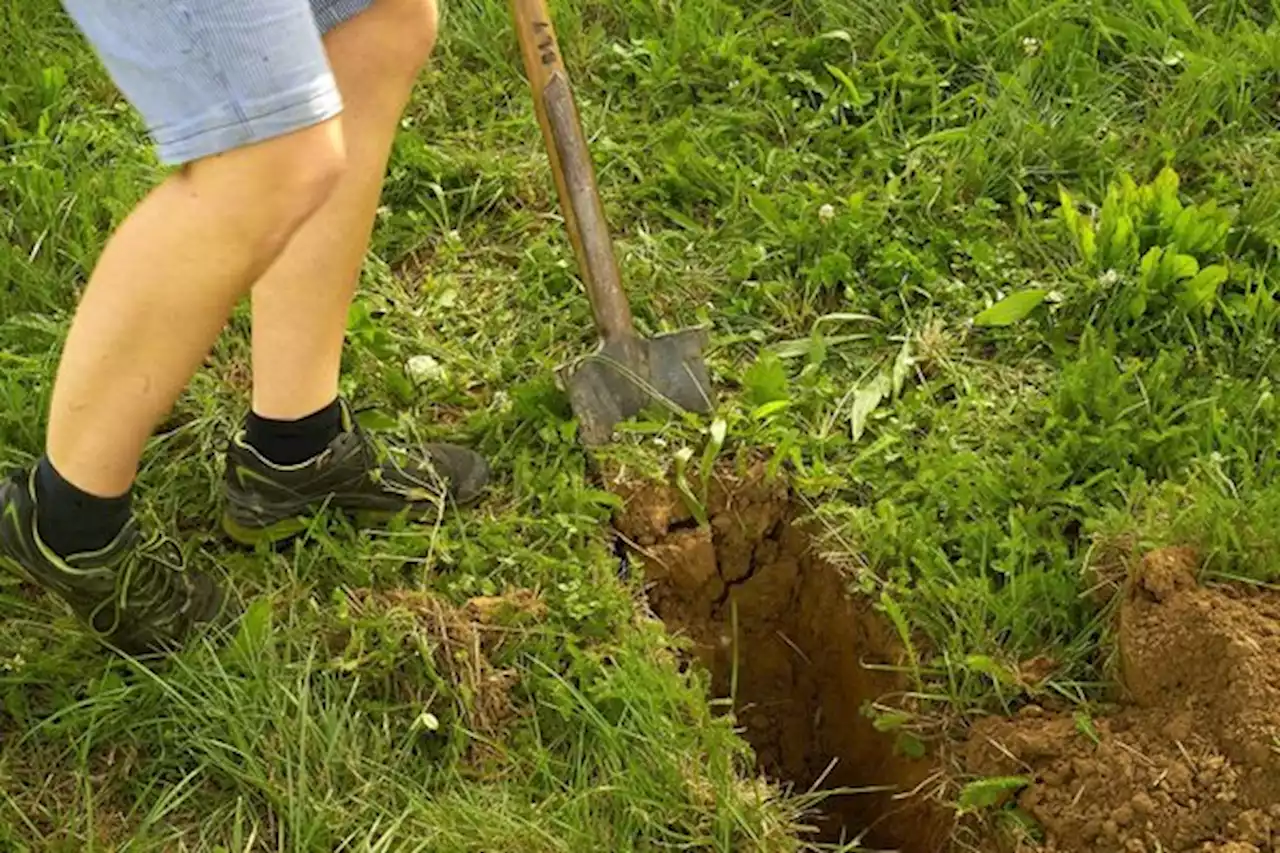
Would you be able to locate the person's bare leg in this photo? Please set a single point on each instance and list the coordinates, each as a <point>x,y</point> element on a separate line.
<point>300,305</point>
<point>299,452</point>
<point>163,290</point>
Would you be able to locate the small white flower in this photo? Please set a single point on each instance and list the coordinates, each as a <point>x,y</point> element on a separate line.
<point>1109,278</point>
<point>826,213</point>
<point>1030,46</point>
<point>424,368</point>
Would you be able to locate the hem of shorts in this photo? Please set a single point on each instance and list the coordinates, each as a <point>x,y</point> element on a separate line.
<point>232,126</point>
<point>337,12</point>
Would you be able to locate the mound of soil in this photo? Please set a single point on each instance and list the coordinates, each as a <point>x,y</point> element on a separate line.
<point>771,621</point>
<point>1192,762</point>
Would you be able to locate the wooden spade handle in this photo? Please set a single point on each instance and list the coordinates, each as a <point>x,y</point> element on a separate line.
<point>571,165</point>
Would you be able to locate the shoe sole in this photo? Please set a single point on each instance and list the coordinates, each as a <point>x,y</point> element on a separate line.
<point>288,528</point>
<point>272,533</point>
<point>226,614</point>
<point>20,572</point>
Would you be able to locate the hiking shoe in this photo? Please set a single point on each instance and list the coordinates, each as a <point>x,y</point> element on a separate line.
<point>356,474</point>
<point>136,593</point>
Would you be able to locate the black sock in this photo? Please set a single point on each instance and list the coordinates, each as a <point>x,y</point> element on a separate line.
<point>71,521</point>
<point>294,442</point>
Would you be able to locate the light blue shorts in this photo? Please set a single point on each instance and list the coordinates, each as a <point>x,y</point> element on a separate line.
<point>209,76</point>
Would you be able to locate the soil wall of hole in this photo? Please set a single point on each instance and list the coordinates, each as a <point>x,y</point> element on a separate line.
<point>762,608</point>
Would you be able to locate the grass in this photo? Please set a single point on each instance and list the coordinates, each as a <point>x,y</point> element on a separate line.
<point>982,396</point>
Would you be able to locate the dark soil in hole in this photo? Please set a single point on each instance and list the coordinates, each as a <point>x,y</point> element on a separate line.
<point>799,652</point>
<point>1191,762</point>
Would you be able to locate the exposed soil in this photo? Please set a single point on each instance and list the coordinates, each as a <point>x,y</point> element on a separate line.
<point>1189,760</point>
<point>766,612</point>
<point>1192,760</point>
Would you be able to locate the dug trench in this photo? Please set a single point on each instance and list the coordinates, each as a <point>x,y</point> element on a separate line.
<point>770,620</point>
<point>1184,759</point>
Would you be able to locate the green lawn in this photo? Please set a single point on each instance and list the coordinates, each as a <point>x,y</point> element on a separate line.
<point>993,284</point>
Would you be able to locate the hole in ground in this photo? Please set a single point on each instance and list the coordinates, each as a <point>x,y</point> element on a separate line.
<point>773,623</point>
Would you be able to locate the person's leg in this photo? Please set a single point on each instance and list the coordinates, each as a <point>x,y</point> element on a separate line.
<point>278,470</point>
<point>300,306</point>
<point>240,93</point>
<point>163,290</point>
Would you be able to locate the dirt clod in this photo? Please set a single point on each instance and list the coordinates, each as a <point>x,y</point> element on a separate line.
<point>1163,574</point>
<point>1192,762</point>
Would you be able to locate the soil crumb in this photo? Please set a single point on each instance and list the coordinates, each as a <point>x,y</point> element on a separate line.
<point>1192,760</point>
<point>772,622</point>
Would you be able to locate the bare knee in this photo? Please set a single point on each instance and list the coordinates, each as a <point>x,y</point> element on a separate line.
<point>276,185</point>
<point>307,167</point>
<point>409,32</point>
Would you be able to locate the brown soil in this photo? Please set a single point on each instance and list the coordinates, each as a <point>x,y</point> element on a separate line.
<point>1192,761</point>
<point>763,609</point>
<point>1189,761</point>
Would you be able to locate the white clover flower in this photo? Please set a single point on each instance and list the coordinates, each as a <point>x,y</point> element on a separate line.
<point>424,368</point>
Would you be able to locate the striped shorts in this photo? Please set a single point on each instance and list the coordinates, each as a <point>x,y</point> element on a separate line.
<point>209,76</point>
